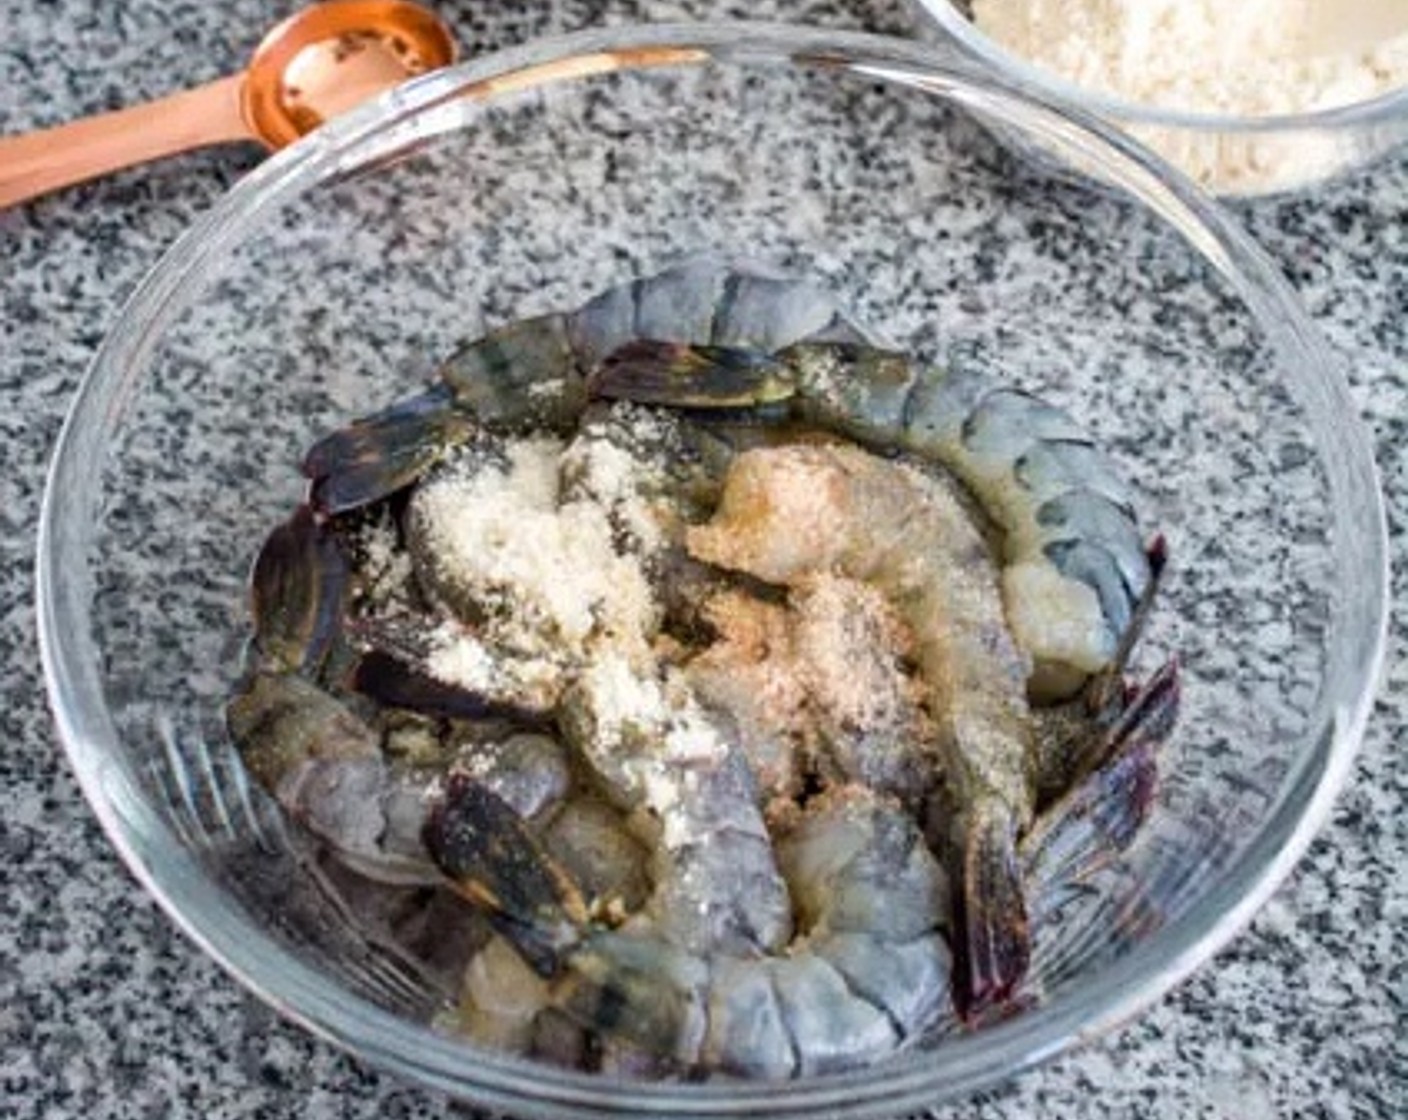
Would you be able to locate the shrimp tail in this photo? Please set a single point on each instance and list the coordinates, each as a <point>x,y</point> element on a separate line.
<point>1148,713</point>
<point>524,374</point>
<point>382,453</point>
<point>993,942</point>
<point>1099,817</point>
<point>648,371</point>
<point>297,589</point>
<point>640,987</point>
<point>494,861</point>
<point>1074,839</point>
<point>1104,693</point>
<point>393,683</point>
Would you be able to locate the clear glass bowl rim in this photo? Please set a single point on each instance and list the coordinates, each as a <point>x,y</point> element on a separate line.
<point>1387,107</point>
<point>87,730</point>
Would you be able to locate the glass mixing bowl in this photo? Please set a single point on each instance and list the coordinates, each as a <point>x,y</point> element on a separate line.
<point>330,281</point>
<point>1232,156</point>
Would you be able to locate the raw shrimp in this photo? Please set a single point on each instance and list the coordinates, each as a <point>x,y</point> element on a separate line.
<point>365,786</point>
<point>318,757</point>
<point>577,615</point>
<point>1075,570</point>
<point>611,828</point>
<point>790,513</point>
<point>823,689</point>
<point>651,744</point>
<point>328,770</point>
<point>868,969</point>
<point>605,511</point>
<point>531,374</point>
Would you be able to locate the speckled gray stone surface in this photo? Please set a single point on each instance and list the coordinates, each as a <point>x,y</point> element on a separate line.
<point>106,1011</point>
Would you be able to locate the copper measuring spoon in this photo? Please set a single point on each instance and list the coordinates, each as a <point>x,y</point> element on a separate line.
<point>317,63</point>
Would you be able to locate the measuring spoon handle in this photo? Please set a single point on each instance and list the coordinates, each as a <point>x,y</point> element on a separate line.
<point>38,162</point>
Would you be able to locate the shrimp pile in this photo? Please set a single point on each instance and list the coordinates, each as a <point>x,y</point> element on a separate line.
<point>738,690</point>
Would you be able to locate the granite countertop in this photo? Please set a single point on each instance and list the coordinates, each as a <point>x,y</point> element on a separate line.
<point>107,1011</point>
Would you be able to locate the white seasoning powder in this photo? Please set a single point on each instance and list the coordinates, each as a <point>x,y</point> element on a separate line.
<point>621,699</point>
<point>386,568</point>
<point>612,475</point>
<point>1245,58</point>
<point>502,534</point>
<point>458,658</point>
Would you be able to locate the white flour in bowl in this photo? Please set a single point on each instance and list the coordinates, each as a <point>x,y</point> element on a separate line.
<point>1239,57</point>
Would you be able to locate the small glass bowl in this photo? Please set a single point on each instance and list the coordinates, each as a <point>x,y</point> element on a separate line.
<point>331,280</point>
<point>1231,156</point>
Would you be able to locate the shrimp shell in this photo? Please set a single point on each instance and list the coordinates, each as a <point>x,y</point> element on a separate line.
<point>1075,568</point>
<point>531,375</point>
